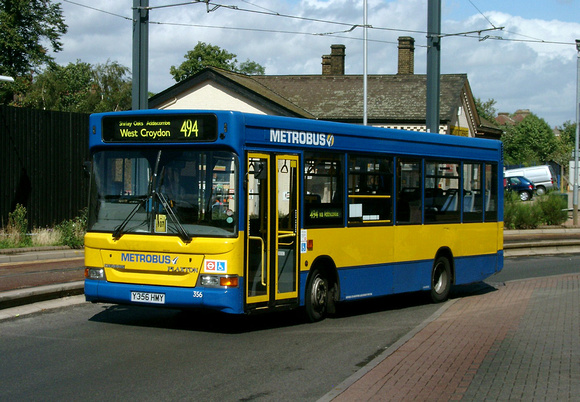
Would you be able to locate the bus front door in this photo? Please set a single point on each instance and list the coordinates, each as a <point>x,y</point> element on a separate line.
<point>272,238</point>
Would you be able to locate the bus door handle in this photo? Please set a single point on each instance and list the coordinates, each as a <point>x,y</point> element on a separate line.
<point>261,254</point>
<point>283,234</point>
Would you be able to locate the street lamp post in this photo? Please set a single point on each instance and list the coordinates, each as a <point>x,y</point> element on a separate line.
<point>575,195</point>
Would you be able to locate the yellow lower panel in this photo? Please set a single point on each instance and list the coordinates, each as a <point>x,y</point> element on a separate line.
<point>384,244</point>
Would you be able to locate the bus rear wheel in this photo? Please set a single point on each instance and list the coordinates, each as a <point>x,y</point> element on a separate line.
<point>316,298</point>
<point>440,280</point>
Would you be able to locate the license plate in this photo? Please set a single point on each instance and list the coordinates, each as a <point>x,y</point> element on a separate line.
<point>146,297</point>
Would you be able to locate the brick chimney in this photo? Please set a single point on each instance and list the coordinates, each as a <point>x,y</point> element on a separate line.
<point>406,55</point>
<point>326,65</point>
<point>333,64</point>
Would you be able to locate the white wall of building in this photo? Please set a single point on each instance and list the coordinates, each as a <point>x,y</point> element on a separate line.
<point>210,95</point>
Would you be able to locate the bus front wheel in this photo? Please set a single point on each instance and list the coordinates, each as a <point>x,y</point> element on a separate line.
<point>316,298</point>
<point>440,280</point>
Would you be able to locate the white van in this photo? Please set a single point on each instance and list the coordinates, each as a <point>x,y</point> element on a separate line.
<point>542,176</point>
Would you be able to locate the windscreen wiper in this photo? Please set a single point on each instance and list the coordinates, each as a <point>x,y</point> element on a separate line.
<point>118,232</point>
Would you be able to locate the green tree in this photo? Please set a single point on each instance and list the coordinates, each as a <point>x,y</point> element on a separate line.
<point>27,28</point>
<point>565,143</point>
<point>206,55</point>
<point>251,68</point>
<point>531,141</point>
<point>59,88</point>
<point>111,88</point>
<point>486,109</point>
<point>568,134</point>
<point>80,87</point>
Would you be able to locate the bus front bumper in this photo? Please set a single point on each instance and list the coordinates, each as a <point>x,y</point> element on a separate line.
<point>228,300</point>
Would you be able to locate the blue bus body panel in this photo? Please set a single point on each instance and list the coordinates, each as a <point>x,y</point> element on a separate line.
<point>224,300</point>
<point>382,280</point>
<point>476,268</point>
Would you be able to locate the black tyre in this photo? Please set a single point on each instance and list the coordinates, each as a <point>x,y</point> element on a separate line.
<point>440,280</point>
<point>316,299</point>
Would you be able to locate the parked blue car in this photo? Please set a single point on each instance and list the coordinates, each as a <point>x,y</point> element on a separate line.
<point>521,185</point>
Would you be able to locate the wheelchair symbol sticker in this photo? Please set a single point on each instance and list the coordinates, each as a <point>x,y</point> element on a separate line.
<point>217,266</point>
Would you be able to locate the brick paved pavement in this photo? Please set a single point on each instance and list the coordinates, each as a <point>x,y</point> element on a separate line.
<point>519,342</point>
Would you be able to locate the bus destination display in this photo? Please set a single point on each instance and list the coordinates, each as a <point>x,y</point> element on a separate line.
<point>160,128</point>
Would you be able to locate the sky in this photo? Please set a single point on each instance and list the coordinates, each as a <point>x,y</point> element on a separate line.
<point>520,53</point>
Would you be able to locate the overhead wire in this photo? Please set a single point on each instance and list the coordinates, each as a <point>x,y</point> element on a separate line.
<point>97,9</point>
<point>482,14</point>
<point>352,27</point>
<point>328,34</point>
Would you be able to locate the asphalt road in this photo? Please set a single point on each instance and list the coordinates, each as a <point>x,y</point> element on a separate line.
<point>535,267</point>
<point>96,352</point>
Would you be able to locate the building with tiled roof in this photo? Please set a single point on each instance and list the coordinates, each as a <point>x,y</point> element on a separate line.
<point>394,101</point>
<point>505,119</point>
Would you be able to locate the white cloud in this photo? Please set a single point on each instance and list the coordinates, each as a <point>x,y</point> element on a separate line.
<point>538,76</point>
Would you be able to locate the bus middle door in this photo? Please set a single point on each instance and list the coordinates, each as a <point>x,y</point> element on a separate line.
<point>272,238</point>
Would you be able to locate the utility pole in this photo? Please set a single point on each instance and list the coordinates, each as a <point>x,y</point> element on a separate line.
<point>139,90</point>
<point>433,64</point>
<point>575,195</point>
<point>365,59</point>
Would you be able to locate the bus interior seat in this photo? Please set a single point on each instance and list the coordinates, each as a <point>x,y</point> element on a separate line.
<point>468,203</point>
<point>451,202</point>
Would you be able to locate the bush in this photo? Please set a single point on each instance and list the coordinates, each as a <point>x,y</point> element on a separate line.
<point>15,233</point>
<point>519,215</point>
<point>554,209</point>
<point>72,231</point>
<point>69,233</point>
<point>549,209</point>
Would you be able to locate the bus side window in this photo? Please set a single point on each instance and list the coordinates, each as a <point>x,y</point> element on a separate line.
<point>323,194</point>
<point>409,188</point>
<point>472,192</point>
<point>442,192</point>
<point>370,187</point>
<point>491,195</point>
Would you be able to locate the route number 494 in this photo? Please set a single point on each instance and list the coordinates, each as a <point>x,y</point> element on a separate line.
<point>188,127</point>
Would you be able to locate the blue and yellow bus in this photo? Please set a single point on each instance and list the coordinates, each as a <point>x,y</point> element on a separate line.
<point>245,213</point>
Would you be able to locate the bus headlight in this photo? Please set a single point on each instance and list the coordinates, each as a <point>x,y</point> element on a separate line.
<point>219,281</point>
<point>94,273</point>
